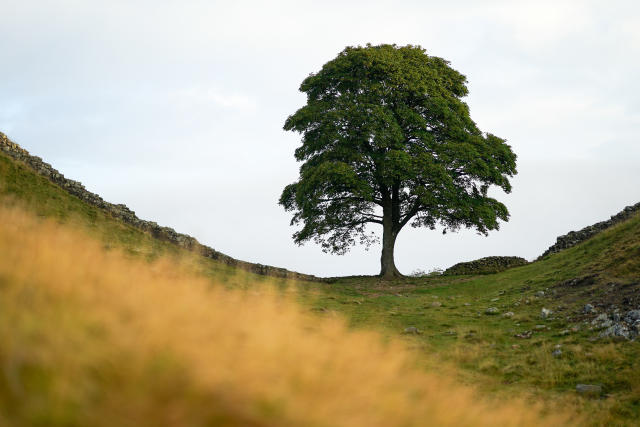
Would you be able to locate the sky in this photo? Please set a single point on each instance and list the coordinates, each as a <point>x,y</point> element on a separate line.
<point>176,108</point>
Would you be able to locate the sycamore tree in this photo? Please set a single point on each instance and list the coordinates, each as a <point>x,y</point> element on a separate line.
<point>387,139</point>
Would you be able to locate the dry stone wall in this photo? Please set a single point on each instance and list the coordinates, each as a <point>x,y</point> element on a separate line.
<point>573,238</point>
<point>487,265</point>
<point>125,214</point>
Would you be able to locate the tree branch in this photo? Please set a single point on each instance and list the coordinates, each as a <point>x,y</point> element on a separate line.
<point>410,214</point>
<point>375,200</point>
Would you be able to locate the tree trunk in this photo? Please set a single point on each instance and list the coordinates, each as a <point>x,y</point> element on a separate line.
<point>388,268</point>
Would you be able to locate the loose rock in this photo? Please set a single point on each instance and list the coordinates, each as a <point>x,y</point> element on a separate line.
<point>589,389</point>
<point>632,316</point>
<point>524,335</point>
<point>616,330</point>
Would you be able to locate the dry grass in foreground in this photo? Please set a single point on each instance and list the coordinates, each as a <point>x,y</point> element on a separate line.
<point>89,337</point>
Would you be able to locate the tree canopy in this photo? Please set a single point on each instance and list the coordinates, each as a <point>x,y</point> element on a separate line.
<point>387,139</point>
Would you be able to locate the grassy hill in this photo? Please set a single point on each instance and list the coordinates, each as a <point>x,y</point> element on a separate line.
<point>485,330</point>
<point>21,185</point>
<point>492,326</point>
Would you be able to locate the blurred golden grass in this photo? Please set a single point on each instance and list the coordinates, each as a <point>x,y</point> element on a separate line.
<point>92,337</point>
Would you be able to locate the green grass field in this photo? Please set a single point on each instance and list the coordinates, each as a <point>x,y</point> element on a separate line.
<point>445,316</point>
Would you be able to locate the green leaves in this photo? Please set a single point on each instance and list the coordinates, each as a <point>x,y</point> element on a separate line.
<point>385,133</point>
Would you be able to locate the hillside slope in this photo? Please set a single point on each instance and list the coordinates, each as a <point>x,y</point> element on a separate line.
<point>30,179</point>
<point>547,329</point>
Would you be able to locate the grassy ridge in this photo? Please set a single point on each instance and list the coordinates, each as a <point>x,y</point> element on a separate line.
<point>22,186</point>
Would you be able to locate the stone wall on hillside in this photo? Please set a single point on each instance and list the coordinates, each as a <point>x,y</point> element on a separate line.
<point>573,238</point>
<point>487,265</point>
<point>125,214</point>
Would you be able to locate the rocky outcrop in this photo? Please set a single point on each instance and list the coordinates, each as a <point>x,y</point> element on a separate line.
<point>126,215</point>
<point>488,265</point>
<point>617,324</point>
<point>573,238</point>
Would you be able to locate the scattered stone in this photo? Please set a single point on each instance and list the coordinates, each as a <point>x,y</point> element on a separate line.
<point>545,313</point>
<point>602,322</point>
<point>540,294</point>
<point>632,316</point>
<point>564,332</point>
<point>516,304</point>
<point>451,332</point>
<point>412,330</point>
<point>495,299</point>
<point>491,311</point>
<point>575,328</point>
<point>615,330</point>
<point>615,325</point>
<point>508,314</point>
<point>540,327</point>
<point>556,353</point>
<point>515,346</point>
<point>589,389</point>
<point>502,292</point>
<point>524,335</point>
<point>588,309</point>
<point>436,304</point>
<point>601,318</point>
<point>466,304</point>
<point>527,301</point>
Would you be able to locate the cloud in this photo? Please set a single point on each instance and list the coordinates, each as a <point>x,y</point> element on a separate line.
<point>205,97</point>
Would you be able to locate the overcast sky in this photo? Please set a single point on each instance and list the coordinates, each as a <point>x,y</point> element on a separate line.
<point>176,109</point>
